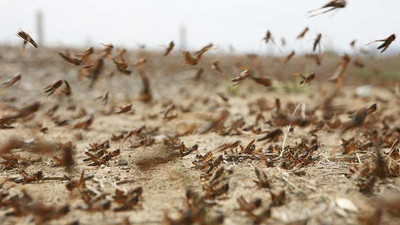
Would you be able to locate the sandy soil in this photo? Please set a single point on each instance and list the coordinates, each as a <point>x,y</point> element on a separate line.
<point>314,192</point>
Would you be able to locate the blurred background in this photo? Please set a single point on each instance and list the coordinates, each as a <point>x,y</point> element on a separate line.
<point>231,25</point>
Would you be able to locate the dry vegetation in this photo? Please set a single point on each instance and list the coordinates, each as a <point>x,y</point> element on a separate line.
<point>111,136</point>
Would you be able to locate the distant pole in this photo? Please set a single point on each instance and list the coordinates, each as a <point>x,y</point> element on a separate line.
<point>182,37</point>
<point>39,27</point>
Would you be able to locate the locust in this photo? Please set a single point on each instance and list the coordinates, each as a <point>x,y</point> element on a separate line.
<point>194,59</point>
<point>121,64</point>
<point>242,76</point>
<point>317,43</point>
<point>358,118</point>
<point>262,178</point>
<point>330,6</point>
<point>103,97</point>
<point>386,42</point>
<point>289,56</point>
<point>169,48</point>
<point>70,58</point>
<point>27,39</point>
<point>303,33</point>
<point>305,79</point>
<point>338,76</point>
<point>215,66</point>
<point>12,81</point>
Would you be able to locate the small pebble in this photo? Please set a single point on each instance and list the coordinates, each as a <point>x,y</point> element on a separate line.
<point>122,162</point>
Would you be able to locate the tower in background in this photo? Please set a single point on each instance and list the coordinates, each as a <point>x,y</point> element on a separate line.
<point>182,37</point>
<point>39,27</point>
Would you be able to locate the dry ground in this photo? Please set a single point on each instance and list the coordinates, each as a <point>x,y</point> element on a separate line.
<point>312,191</point>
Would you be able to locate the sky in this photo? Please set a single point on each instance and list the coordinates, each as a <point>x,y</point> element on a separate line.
<point>241,24</point>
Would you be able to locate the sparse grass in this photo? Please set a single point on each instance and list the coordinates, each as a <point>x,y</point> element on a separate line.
<point>364,73</point>
<point>291,87</point>
<point>390,75</point>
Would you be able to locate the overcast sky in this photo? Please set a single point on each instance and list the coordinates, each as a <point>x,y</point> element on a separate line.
<point>240,23</point>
